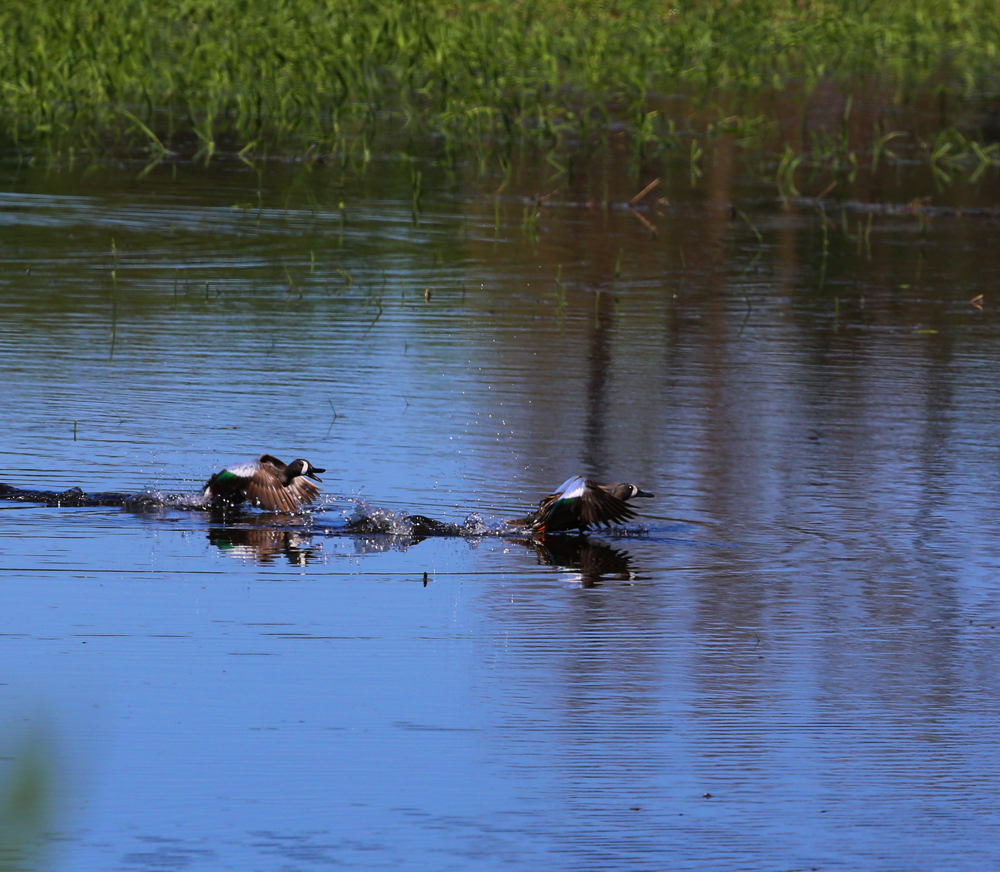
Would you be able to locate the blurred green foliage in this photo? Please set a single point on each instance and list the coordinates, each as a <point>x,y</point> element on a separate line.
<point>25,806</point>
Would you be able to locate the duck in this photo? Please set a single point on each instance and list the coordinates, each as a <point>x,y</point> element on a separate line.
<point>265,482</point>
<point>580,503</point>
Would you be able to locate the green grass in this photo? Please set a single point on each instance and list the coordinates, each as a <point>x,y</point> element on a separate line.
<point>330,75</point>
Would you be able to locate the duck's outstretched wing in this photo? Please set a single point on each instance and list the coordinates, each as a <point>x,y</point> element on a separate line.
<point>267,492</point>
<point>599,508</point>
<point>558,511</point>
<point>303,491</point>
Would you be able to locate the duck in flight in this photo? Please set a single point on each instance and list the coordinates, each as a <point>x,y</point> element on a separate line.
<point>580,503</point>
<point>265,482</point>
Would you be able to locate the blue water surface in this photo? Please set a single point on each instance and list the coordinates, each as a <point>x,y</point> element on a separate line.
<point>788,661</point>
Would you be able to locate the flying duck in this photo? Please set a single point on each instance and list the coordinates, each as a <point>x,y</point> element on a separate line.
<point>265,482</point>
<point>580,503</point>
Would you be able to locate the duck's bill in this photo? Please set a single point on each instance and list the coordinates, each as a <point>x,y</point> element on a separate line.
<point>312,473</point>
<point>642,493</point>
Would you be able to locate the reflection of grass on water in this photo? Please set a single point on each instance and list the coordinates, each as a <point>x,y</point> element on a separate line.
<point>324,76</point>
<point>25,800</point>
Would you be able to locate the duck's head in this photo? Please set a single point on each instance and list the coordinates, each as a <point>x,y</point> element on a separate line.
<point>302,467</point>
<point>629,491</point>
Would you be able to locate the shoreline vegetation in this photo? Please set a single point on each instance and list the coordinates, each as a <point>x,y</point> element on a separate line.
<point>837,84</point>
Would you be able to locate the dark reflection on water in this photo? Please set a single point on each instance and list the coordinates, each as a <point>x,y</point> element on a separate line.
<point>803,626</point>
<point>265,544</point>
<point>590,558</point>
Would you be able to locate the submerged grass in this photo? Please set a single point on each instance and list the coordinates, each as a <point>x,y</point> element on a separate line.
<point>326,76</point>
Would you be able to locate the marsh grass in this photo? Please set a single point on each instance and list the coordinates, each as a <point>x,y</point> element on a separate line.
<point>164,76</point>
<point>329,80</point>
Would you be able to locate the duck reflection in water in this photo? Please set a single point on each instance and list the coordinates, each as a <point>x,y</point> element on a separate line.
<point>266,544</point>
<point>591,559</point>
